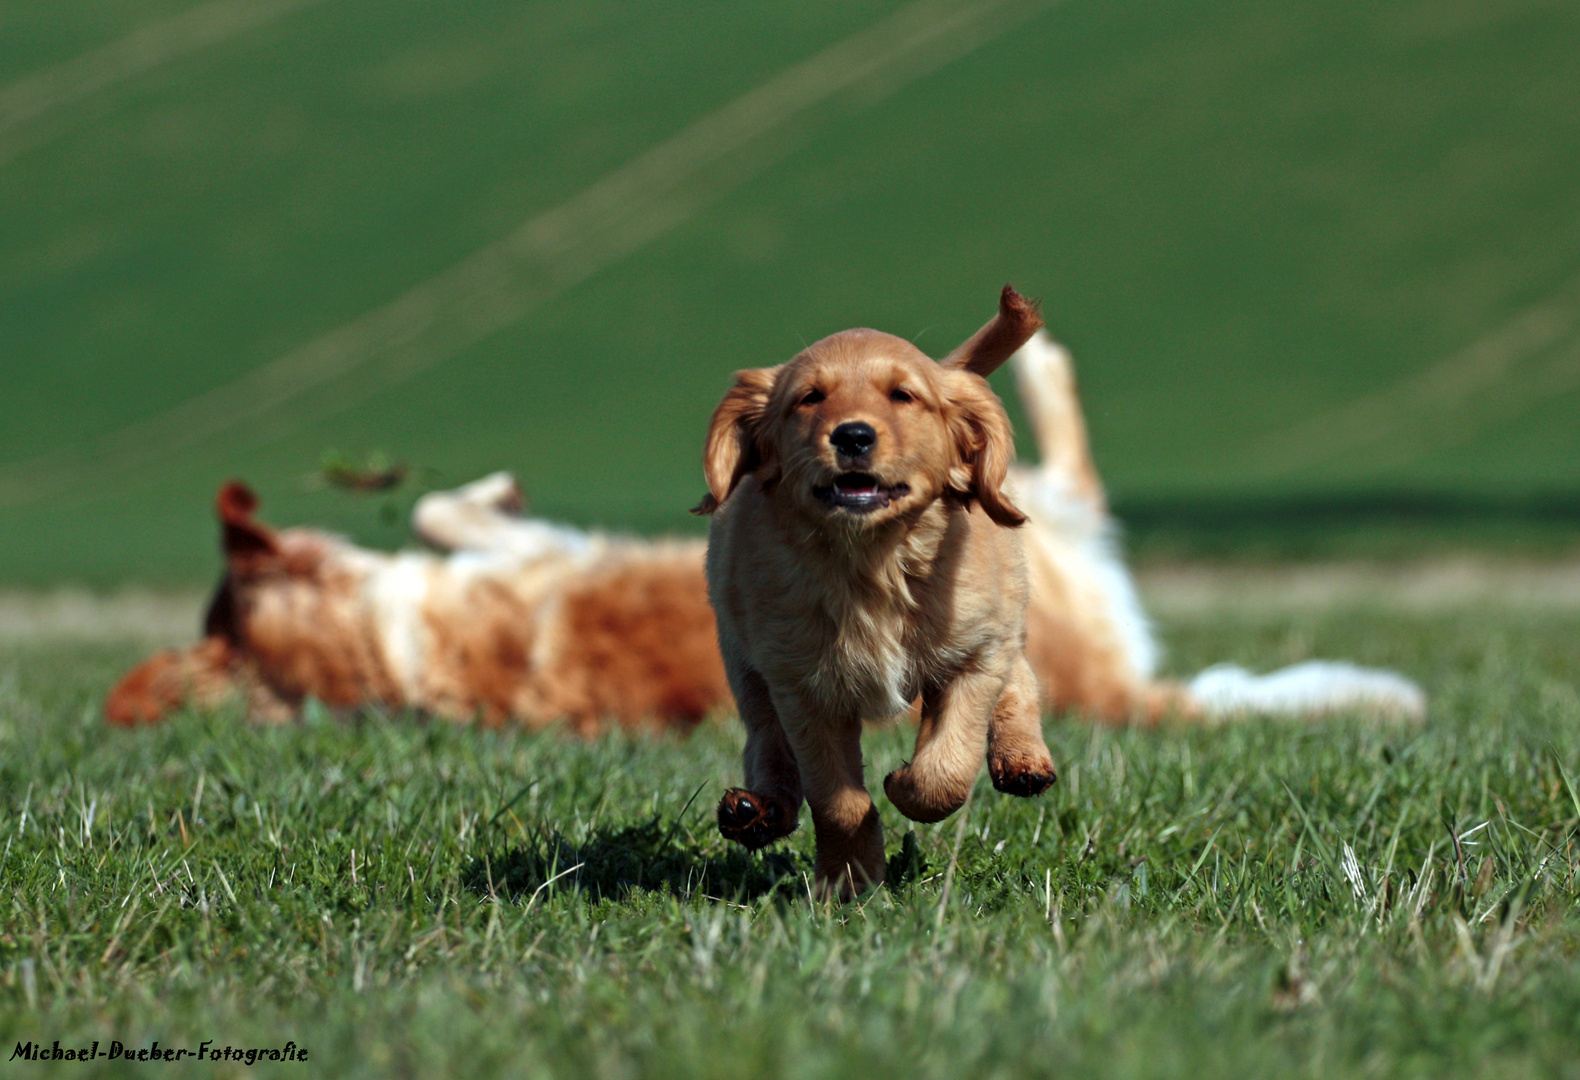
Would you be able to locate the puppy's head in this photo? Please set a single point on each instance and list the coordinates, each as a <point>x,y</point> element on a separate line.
<point>862,427</point>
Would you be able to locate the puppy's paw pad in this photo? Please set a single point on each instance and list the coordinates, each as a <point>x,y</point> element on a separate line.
<point>1024,782</point>
<point>753,820</point>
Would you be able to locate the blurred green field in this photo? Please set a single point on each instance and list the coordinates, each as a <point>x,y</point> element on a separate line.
<point>1309,254</point>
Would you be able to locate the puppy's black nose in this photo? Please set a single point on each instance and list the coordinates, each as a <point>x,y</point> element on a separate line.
<point>853,439</point>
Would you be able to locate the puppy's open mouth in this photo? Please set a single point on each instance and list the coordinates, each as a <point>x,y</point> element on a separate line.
<point>860,493</point>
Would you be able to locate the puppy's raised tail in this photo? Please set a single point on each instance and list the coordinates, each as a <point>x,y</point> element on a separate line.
<point>983,352</point>
<point>1313,688</point>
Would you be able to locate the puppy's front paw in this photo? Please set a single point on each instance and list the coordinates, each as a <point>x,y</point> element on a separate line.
<point>1022,776</point>
<point>753,820</point>
<point>922,797</point>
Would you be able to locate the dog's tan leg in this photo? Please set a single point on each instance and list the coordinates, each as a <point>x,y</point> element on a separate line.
<point>204,676</point>
<point>766,809</point>
<point>1045,384</point>
<point>1018,758</point>
<point>950,740</point>
<point>486,515</point>
<point>469,518</point>
<point>849,856</point>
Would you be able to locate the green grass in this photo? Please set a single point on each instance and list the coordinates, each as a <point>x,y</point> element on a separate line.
<point>1243,217</point>
<point>433,900</point>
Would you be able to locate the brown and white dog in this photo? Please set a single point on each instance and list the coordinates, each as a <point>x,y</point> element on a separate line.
<point>530,622</point>
<point>523,621</point>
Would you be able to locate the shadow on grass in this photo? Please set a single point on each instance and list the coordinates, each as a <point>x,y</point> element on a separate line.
<point>612,862</point>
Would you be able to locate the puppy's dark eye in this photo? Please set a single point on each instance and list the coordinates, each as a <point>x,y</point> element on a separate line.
<point>811,397</point>
<point>900,396</point>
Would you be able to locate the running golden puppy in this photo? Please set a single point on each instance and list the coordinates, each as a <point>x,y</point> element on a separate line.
<point>863,553</point>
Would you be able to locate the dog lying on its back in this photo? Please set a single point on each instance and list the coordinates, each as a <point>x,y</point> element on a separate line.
<point>864,552</point>
<point>524,622</point>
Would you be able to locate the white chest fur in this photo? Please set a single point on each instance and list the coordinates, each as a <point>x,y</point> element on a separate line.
<point>865,668</point>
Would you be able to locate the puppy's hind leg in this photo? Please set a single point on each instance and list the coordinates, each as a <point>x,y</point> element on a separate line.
<point>1018,758</point>
<point>768,807</point>
<point>950,740</point>
<point>827,749</point>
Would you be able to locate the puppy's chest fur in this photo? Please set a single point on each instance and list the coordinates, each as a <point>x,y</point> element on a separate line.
<point>872,660</point>
<point>865,645</point>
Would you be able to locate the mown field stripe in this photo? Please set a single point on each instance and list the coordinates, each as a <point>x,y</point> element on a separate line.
<point>33,97</point>
<point>1449,395</point>
<point>547,255</point>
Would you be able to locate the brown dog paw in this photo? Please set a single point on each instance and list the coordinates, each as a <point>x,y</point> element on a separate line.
<point>1023,781</point>
<point>754,820</point>
<point>923,798</point>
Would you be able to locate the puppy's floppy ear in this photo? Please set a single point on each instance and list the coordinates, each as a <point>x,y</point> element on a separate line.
<point>735,449</point>
<point>982,353</point>
<point>984,446</point>
<point>247,542</point>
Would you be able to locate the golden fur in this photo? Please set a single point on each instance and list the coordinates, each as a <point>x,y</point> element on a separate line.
<point>864,553</point>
